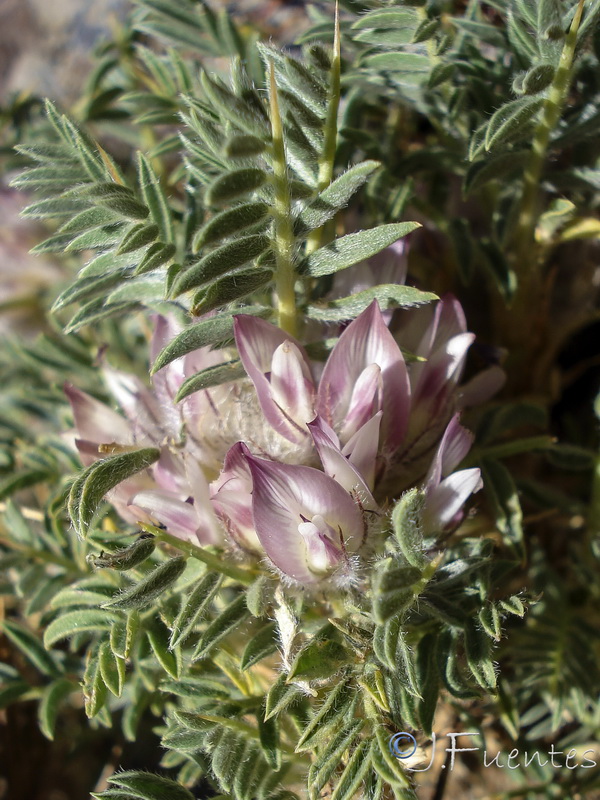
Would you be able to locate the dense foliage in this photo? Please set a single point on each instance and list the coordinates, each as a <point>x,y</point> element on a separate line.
<point>252,238</point>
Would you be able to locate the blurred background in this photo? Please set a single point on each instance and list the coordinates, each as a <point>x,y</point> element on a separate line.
<point>45,46</point>
<point>46,50</point>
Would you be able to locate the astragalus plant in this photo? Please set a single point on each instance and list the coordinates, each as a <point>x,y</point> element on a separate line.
<point>306,471</point>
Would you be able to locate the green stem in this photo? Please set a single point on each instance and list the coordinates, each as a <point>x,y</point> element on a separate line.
<point>593,519</point>
<point>214,562</point>
<point>427,574</point>
<point>508,449</point>
<point>552,111</point>
<point>327,158</point>
<point>285,277</point>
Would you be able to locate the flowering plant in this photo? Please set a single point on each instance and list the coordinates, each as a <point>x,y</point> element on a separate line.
<point>268,497</point>
<point>273,499</point>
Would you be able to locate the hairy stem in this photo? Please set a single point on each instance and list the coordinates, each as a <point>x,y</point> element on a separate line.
<point>524,321</point>
<point>327,159</point>
<point>552,111</point>
<point>285,277</point>
<point>202,554</point>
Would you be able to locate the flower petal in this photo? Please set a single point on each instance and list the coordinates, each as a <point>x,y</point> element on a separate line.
<point>482,387</point>
<point>170,510</point>
<point>291,383</point>
<point>236,465</point>
<point>286,496</point>
<point>446,500</point>
<point>454,446</point>
<point>209,530</point>
<point>449,321</point>
<point>366,341</point>
<point>435,378</point>
<point>338,467</point>
<point>168,380</point>
<point>232,498</point>
<point>88,451</point>
<point>361,450</point>
<point>366,401</point>
<point>138,403</point>
<point>390,265</point>
<point>423,330</point>
<point>95,421</point>
<point>169,472</point>
<point>234,508</point>
<point>257,341</point>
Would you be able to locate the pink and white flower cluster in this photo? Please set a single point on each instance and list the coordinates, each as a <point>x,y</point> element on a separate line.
<point>297,462</point>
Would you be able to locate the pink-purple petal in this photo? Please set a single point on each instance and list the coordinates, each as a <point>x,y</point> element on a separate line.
<point>88,451</point>
<point>291,383</point>
<point>95,421</point>
<point>339,467</point>
<point>236,463</point>
<point>436,377</point>
<point>454,446</point>
<point>168,509</point>
<point>138,403</point>
<point>446,500</point>
<point>232,498</point>
<point>365,402</point>
<point>209,528</point>
<point>234,508</point>
<point>366,341</point>
<point>361,450</point>
<point>450,320</point>
<point>286,496</point>
<point>257,341</point>
<point>168,472</point>
<point>482,387</point>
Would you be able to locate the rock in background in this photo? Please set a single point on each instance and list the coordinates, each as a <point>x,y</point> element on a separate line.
<point>45,45</point>
<point>46,49</point>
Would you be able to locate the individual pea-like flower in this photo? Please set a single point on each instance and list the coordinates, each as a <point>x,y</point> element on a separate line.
<point>364,374</point>
<point>306,521</point>
<point>298,463</point>
<point>279,368</point>
<point>447,491</point>
<point>174,491</point>
<point>100,431</point>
